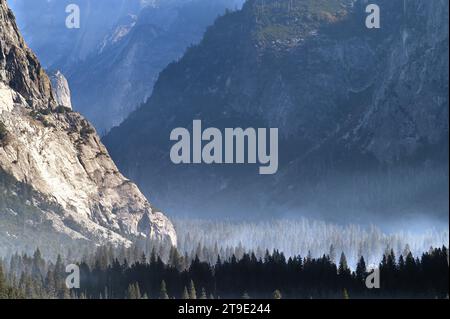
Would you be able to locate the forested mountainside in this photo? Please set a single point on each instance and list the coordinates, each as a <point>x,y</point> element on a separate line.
<point>58,184</point>
<point>362,113</point>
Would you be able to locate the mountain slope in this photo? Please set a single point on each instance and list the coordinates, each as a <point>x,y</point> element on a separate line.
<point>53,164</point>
<point>362,114</point>
<point>120,76</point>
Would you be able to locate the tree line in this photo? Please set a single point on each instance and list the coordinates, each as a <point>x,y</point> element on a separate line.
<point>104,275</point>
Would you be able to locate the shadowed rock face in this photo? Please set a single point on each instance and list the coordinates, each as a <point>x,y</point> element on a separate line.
<point>19,68</point>
<point>54,153</point>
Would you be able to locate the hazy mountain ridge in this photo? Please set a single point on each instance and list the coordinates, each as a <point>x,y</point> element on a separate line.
<point>43,24</point>
<point>55,173</point>
<point>114,81</point>
<point>114,59</point>
<point>352,104</point>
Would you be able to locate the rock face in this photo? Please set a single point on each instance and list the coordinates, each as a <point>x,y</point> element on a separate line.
<point>61,89</point>
<point>18,66</point>
<point>362,113</point>
<point>53,163</point>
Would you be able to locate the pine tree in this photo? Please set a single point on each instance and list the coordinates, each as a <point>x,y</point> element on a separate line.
<point>203,295</point>
<point>277,294</point>
<point>401,263</point>
<point>163,292</point>
<point>185,294</point>
<point>361,270</point>
<point>50,285</point>
<point>3,287</point>
<point>192,292</point>
<point>143,259</point>
<point>343,266</point>
<point>65,292</point>
<point>332,254</point>
<point>175,259</point>
<point>38,265</point>
<point>391,261</point>
<point>346,295</point>
<point>133,291</point>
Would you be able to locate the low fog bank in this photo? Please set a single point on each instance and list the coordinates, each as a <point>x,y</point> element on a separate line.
<point>305,237</point>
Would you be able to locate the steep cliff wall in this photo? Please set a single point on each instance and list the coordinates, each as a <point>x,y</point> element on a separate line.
<point>54,153</point>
